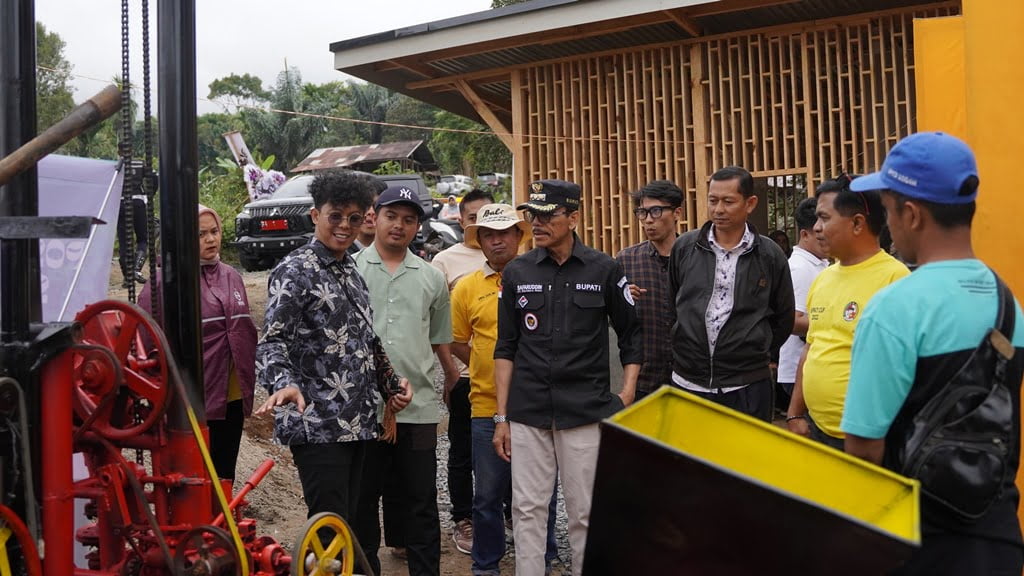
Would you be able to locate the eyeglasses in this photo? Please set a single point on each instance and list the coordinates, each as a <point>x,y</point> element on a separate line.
<point>354,219</point>
<point>654,211</point>
<point>530,216</point>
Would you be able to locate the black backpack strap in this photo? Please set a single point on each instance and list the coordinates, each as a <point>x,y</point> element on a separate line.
<point>1006,316</point>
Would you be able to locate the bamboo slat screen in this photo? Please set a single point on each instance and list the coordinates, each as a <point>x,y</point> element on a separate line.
<point>816,100</point>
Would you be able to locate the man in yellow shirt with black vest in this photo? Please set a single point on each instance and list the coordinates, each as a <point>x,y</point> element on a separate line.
<point>848,227</point>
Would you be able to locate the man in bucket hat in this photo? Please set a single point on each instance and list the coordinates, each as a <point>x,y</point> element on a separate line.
<point>919,333</point>
<point>551,368</point>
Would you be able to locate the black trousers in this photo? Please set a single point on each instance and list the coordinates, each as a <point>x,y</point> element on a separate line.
<point>460,452</point>
<point>404,474</point>
<point>225,436</point>
<point>756,399</point>
<point>959,555</point>
<point>330,475</point>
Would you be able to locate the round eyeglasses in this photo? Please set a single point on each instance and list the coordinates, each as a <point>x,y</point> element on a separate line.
<point>335,218</point>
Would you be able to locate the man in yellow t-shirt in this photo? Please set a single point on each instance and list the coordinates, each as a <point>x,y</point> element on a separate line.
<point>848,227</point>
<point>499,232</point>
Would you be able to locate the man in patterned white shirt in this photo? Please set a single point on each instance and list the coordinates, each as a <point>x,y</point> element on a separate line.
<point>733,299</point>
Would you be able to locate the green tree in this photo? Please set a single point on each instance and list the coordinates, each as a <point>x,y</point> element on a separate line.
<point>53,73</point>
<point>409,112</point>
<point>370,102</point>
<point>238,91</point>
<point>330,100</point>
<point>210,129</point>
<point>289,137</point>
<point>467,152</point>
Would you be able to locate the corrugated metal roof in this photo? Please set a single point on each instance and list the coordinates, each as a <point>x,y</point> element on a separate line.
<point>345,156</point>
<point>515,51</point>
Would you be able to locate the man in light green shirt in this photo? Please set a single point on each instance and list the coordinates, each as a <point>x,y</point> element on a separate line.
<point>412,317</point>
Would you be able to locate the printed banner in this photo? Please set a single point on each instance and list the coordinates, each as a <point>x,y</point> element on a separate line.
<point>75,272</point>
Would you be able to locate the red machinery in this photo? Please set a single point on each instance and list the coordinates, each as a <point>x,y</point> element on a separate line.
<point>109,382</point>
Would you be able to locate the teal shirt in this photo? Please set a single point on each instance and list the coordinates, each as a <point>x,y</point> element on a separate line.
<point>942,307</point>
<point>411,313</point>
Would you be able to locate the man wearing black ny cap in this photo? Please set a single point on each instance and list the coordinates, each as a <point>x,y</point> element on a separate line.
<point>412,317</point>
<point>551,368</point>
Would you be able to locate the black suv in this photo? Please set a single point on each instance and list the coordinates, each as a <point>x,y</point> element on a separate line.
<point>266,230</point>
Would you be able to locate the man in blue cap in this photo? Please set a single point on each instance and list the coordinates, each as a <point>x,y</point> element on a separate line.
<point>551,369</point>
<point>918,366</point>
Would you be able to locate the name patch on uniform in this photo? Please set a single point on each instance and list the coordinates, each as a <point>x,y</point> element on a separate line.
<point>530,321</point>
<point>588,287</point>
<point>528,288</point>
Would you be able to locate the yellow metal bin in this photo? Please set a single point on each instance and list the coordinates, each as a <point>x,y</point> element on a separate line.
<point>687,487</point>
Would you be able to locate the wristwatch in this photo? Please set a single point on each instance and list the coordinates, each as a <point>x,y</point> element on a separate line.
<point>500,418</point>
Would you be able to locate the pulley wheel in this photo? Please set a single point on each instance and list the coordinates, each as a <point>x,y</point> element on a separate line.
<point>325,548</point>
<point>206,551</point>
<point>132,399</point>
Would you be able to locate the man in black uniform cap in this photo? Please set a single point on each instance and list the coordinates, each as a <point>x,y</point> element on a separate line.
<point>551,368</point>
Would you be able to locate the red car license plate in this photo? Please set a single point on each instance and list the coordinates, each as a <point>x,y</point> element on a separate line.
<point>273,225</point>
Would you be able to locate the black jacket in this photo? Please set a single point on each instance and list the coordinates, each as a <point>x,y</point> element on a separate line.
<point>553,325</point>
<point>760,322</point>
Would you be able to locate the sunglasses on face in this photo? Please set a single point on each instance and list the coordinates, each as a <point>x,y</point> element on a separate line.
<point>336,218</point>
<point>654,211</point>
<point>541,217</point>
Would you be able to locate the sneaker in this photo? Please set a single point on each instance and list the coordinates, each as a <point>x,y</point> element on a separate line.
<point>462,535</point>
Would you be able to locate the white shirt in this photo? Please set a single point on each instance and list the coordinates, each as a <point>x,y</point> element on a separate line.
<point>722,298</point>
<point>804,267</point>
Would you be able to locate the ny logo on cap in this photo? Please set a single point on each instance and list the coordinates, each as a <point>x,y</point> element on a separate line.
<point>405,193</point>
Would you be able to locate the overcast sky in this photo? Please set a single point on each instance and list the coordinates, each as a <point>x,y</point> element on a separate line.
<point>234,36</point>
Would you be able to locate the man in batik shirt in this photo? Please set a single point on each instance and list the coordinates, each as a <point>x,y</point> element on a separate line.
<point>316,354</point>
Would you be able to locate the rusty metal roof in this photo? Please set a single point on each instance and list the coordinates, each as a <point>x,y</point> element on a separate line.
<point>347,156</point>
<point>410,62</point>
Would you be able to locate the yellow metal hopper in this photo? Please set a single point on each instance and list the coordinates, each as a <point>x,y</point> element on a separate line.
<point>685,486</point>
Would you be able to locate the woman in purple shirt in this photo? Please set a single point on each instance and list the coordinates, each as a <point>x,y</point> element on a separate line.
<point>229,346</point>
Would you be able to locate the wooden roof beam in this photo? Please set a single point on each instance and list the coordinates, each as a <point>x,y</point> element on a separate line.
<point>500,130</point>
<point>416,67</point>
<point>688,24</point>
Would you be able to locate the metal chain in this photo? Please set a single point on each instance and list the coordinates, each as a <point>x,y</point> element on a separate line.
<point>148,176</point>
<point>128,182</point>
<point>131,179</point>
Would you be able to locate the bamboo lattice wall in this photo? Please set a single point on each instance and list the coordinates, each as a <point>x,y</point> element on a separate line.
<point>812,100</point>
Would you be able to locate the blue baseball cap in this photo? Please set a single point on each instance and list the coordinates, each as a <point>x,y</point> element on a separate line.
<point>398,194</point>
<point>930,166</point>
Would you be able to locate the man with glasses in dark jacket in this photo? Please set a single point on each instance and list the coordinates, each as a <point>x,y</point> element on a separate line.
<point>733,302</point>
